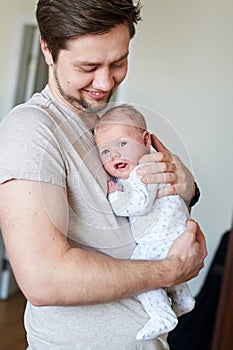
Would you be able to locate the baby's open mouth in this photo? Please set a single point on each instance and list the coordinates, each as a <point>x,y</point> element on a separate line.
<point>120,165</point>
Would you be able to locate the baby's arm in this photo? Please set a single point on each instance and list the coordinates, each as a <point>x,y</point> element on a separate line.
<point>135,199</point>
<point>114,186</point>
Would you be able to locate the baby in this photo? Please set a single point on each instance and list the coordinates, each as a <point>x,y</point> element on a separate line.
<point>122,139</point>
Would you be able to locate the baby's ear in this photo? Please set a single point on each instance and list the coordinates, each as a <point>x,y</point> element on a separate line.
<point>147,139</point>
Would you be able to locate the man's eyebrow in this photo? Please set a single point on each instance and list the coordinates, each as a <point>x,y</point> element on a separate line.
<point>87,63</point>
<point>122,57</point>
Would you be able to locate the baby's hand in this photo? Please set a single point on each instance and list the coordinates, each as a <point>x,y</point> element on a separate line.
<point>114,186</point>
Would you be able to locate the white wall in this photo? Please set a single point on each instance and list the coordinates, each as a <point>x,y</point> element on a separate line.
<point>182,66</point>
<point>13,15</point>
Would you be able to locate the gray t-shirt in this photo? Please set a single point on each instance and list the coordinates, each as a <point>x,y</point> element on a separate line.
<point>43,141</point>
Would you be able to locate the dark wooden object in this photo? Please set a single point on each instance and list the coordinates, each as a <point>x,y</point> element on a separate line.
<point>223,331</point>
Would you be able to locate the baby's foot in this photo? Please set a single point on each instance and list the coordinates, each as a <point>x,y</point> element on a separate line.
<point>183,306</point>
<point>154,328</point>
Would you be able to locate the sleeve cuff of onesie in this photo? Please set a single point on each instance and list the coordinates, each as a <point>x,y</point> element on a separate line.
<point>195,198</point>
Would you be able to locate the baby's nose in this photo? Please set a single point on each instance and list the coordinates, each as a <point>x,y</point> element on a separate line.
<point>115,154</point>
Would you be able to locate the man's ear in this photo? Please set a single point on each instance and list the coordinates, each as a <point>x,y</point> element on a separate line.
<point>147,139</point>
<point>46,52</point>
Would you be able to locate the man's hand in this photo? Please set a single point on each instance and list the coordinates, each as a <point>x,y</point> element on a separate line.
<point>166,167</point>
<point>186,255</point>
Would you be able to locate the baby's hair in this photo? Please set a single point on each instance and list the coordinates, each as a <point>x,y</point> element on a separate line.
<point>122,114</point>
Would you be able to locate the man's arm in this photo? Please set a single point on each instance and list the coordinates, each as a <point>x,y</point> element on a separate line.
<point>34,217</point>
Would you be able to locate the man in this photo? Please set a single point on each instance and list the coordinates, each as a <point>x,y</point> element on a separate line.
<point>69,253</point>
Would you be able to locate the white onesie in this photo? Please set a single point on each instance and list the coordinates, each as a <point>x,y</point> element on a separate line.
<point>155,224</point>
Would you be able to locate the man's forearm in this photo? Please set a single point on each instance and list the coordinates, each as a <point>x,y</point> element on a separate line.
<point>91,278</point>
<point>82,277</point>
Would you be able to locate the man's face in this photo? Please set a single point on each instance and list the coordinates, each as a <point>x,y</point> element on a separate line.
<point>87,73</point>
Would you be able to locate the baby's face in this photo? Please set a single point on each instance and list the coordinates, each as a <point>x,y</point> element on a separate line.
<point>120,148</point>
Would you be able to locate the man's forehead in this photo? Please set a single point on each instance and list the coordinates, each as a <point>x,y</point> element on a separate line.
<point>90,48</point>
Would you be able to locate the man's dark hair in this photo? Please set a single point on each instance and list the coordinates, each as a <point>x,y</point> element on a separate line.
<point>60,20</point>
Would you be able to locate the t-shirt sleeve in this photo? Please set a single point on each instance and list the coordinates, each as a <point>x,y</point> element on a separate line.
<point>29,147</point>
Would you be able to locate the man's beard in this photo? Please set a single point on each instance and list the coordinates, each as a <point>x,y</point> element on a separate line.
<point>79,103</point>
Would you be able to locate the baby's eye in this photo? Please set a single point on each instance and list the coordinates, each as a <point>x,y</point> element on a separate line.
<point>105,152</point>
<point>122,143</point>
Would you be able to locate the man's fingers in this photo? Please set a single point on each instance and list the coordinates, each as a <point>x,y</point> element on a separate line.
<point>157,144</point>
<point>167,191</point>
<point>157,168</point>
<point>158,157</point>
<point>201,240</point>
<point>192,226</point>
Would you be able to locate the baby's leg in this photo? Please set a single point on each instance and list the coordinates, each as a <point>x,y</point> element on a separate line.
<point>182,300</point>
<point>162,318</point>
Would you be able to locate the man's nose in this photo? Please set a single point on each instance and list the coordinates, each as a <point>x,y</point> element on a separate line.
<point>103,80</point>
